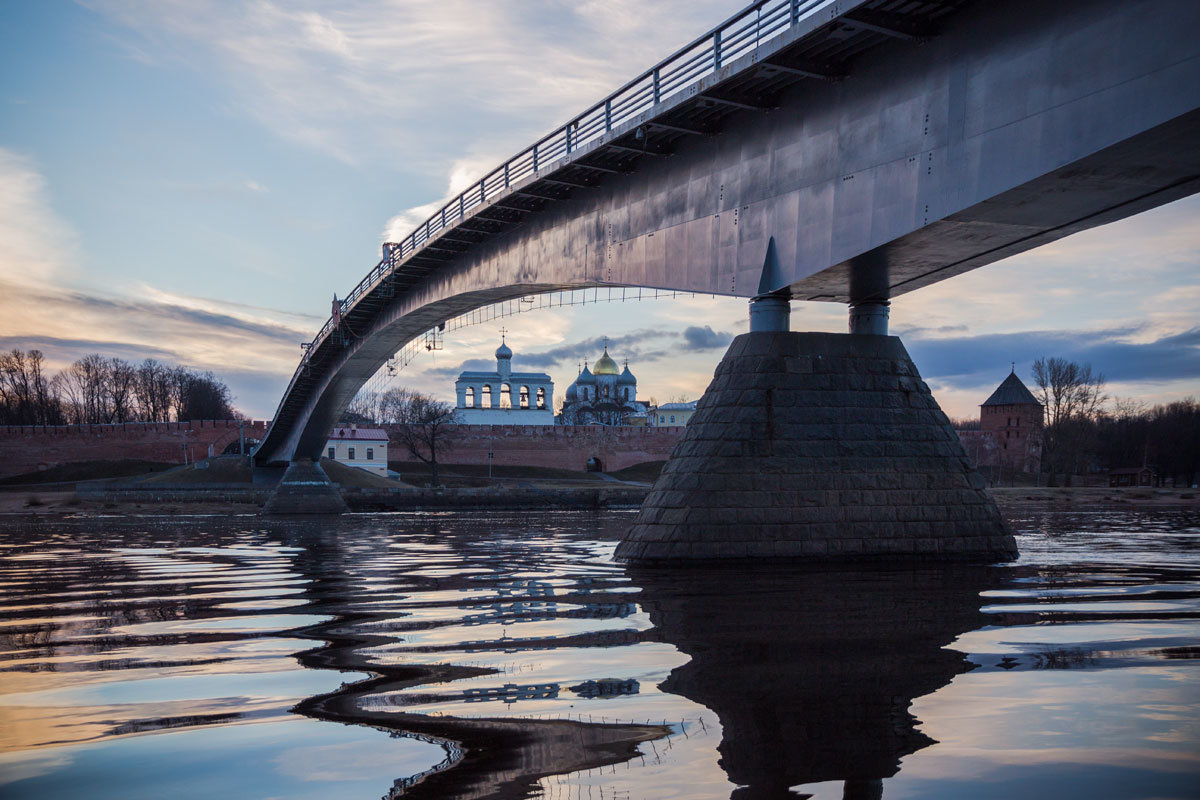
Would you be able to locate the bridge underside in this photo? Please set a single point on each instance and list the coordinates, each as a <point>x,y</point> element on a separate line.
<point>1007,126</point>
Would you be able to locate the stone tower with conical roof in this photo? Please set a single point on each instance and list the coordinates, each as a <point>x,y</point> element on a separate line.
<point>1010,421</point>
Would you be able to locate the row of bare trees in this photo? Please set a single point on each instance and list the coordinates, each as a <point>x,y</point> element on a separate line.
<point>424,426</point>
<point>96,390</point>
<point>1087,430</point>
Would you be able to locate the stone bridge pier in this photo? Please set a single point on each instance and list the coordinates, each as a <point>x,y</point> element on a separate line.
<point>817,446</point>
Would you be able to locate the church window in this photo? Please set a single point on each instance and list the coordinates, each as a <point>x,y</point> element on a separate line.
<point>505,396</point>
<point>626,396</point>
<point>524,397</point>
<point>541,398</point>
<point>585,394</point>
<point>672,419</point>
<point>469,396</point>
<point>370,454</point>
<point>486,395</point>
<point>351,454</point>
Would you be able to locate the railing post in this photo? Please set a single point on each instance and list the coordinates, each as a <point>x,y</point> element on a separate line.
<point>506,175</point>
<point>567,131</point>
<point>483,190</point>
<point>657,86</point>
<point>535,164</point>
<point>717,50</point>
<point>795,11</point>
<point>608,115</point>
<point>462,205</point>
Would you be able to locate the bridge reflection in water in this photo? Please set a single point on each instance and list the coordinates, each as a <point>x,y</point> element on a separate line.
<point>812,673</point>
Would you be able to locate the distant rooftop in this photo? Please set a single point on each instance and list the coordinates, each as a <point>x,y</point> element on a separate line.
<point>359,434</point>
<point>678,406</point>
<point>1011,392</point>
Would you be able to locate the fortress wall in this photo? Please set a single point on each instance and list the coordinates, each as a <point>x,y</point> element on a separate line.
<point>26,448</point>
<point>560,446</point>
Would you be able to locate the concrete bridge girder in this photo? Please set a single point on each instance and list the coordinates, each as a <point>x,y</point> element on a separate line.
<point>1015,126</point>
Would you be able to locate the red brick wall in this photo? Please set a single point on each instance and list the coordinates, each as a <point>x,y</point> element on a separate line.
<point>561,446</point>
<point>1014,434</point>
<point>29,448</point>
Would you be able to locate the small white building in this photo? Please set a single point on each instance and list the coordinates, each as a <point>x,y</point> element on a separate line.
<point>365,448</point>
<point>669,414</point>
<point>504,397</point>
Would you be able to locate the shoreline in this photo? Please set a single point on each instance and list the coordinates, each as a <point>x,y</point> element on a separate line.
<point>29,502</point>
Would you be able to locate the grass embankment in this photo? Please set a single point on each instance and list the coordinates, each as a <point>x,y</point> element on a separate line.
<point>353,476</point>
<point>466,476</point>
<point>646,472</point>
<point>222,469</point>
<point>236,469</point>
<point>78,471</point>
<point>1093,496</point>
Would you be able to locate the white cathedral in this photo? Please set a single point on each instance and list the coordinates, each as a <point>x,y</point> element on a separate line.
<point>504,397</point>
<point>603,395</point>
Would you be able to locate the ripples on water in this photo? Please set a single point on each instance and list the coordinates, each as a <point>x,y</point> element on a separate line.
<point>201,657</point>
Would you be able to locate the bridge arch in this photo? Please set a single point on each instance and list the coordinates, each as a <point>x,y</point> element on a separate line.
<point>804,148</point>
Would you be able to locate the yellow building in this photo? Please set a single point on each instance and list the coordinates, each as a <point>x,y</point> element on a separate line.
<point>669,414</point>
<point>365,448</point>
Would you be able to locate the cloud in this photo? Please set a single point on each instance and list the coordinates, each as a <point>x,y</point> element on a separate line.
<point>346,79</point>
<point>245,347</point>
<point>36,246</point>
<point>975,360</point>
<point>696,338</point>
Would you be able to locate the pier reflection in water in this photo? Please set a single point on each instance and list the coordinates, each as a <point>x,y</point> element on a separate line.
<point>811,672</point>
<point>192,657</point>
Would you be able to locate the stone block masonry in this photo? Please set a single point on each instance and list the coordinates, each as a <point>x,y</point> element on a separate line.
<point>28,448</point>
<point>817,446</point>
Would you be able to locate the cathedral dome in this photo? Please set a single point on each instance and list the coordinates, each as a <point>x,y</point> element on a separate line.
<point>605,365</point>
<point>627,376</point>
<point>586,376</point>
<point>572,394</point>
<point>503,351</point>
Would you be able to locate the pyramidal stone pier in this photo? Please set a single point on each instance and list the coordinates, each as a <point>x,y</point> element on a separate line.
<point>305,489</point>
<point>818,446</point>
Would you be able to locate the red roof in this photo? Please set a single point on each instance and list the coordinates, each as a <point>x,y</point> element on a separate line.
<point>359,434</point>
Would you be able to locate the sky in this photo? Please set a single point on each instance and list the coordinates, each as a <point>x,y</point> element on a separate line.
<point>192,181</point>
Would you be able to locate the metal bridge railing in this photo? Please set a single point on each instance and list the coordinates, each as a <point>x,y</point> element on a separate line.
<point>737,36</point>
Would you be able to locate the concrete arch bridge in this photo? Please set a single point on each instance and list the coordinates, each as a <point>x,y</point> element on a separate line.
<point>831,150</point>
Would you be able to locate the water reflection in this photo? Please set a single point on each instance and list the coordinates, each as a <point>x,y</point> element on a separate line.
<point>812,673</point>
<point>510,657</point>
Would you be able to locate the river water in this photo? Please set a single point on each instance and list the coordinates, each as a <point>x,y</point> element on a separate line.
<point>507,655</point>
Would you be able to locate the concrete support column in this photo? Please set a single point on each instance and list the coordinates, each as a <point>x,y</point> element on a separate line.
<point>461,392</point>
<point>869,319</point>
<point>770,313</point>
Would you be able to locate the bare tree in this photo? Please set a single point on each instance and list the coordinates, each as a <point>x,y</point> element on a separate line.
<point>153,390</point>
<point>423,425</point>
<point>122,395</point>
<point>1072,396</point>
<point>85,388</point>
<point>364,409</point>
<point>27,396</point>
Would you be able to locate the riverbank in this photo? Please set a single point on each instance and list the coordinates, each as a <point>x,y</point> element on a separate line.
<point>221,499</point>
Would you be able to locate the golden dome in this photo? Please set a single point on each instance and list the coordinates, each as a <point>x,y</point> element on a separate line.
<point>605,365</point>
